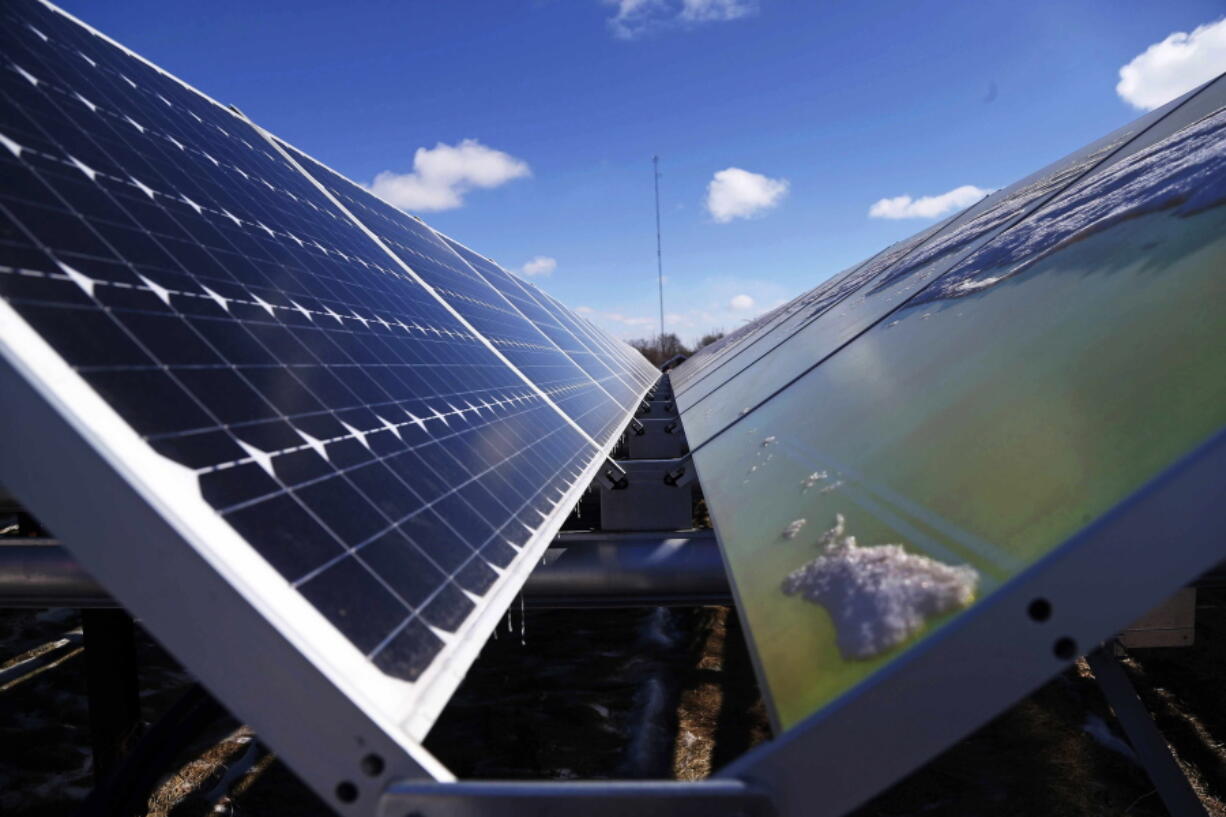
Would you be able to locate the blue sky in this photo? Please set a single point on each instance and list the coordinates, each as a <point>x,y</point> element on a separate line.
<point>779,124</point>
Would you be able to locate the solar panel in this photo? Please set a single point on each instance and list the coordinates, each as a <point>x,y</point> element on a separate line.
<point>940,419</point>
<point>622,380</point>
<point>837,312</point>
<point>486,308</point>
<point>342,434</point>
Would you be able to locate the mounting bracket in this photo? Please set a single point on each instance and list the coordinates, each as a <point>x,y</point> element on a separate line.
<point>656,496</point>
<point>611,476</point>
<point>660,439</point>
<point>657,409</point>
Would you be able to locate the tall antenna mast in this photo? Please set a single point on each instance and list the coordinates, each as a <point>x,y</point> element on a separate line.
<point>655,165</point>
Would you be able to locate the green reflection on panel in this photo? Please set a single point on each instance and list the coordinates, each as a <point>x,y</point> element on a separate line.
<point>982,430</point>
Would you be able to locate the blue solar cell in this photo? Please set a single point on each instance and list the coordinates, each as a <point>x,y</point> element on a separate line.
<point>480,303</point>
<point>608,373</point>
<point>367,442</point>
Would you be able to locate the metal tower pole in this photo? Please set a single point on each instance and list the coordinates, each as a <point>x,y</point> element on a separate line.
<point>655,165</point>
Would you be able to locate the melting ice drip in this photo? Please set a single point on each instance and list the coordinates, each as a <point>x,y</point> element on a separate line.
<point>880,595</point>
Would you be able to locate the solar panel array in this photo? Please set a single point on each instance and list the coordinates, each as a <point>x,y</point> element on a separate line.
<point>394,423</point>
<point>975,394</point>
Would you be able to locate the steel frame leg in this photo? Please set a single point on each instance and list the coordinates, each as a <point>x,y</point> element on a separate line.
<point>1149,744</point>
<point>112,685</point>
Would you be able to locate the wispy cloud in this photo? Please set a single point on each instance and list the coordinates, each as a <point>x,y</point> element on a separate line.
<point>702,11</point>
<point>721,302</point>
<point>540,265</point>
<point>634,18</point>
<point>443,174</point>
<point>1176,65</point>
<point>736,193</point>
<point>927,206</point>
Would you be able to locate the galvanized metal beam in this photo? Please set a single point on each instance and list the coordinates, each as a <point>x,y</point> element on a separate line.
<point>582,569</point>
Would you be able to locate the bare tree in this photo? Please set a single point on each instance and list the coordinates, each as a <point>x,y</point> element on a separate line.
<point>661,348</point>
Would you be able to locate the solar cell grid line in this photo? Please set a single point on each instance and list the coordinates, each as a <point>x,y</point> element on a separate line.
<point>596,338</point>
<point>716,407</point>
<point>629,365</point>
<point>622,394</point>
<point>603,361</point>
<point>167,294</point>
<point>206,302</point>
<point>471,296</point>
<point>617,356</point>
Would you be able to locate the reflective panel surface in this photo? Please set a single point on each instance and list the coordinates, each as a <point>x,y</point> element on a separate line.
<point>391,433</point>
<point>919,462</point>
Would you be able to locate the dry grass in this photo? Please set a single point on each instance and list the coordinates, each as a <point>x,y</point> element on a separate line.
<point>566,704</point>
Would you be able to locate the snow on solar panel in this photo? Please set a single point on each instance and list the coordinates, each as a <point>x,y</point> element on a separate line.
<point>333,405</point>
<point>922,429</point>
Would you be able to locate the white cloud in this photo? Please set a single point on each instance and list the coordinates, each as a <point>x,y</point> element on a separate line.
<point>735,193</point>
<point>442,174</point>
<point>1176,65</point>
<point>716,10</point>
<point>634,18</point>
<point>541,265</point>
<point>927,206</point>
<point>723,303</point>
<point>629,320</point>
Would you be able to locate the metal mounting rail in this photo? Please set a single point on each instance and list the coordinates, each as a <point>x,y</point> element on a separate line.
<point>581,569</point>
<point>596,798</point>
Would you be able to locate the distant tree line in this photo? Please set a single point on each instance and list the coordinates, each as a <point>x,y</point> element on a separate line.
<point>665,347</point>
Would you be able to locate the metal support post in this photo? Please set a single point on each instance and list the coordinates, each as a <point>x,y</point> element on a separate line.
<point>1151,748</point>
<point>112,685</point>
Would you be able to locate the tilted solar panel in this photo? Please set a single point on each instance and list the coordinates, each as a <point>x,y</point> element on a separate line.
<point>480,303</point>
<point>609,373</point>
<point>836,314</point>
<point>299,389</point>
<point>948,414</point>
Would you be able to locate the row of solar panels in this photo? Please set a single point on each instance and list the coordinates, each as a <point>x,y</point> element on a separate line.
<point>977,394</point>
<point>369,429</point>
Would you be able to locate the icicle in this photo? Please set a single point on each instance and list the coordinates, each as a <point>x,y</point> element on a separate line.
<point>523,623</point>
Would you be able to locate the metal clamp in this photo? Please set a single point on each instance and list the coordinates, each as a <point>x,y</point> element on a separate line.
<point>683,474</point>
<point>612,476</point>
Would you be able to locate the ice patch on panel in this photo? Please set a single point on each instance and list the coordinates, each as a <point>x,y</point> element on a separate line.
<point>880,595</point>
<point>793,529</point>
<point>1184,174</point>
